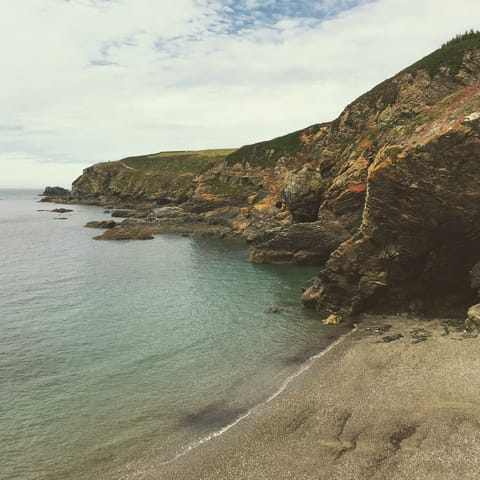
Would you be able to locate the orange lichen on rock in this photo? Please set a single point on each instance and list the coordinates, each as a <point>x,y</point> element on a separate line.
<point>379,168</point>
<point>357,188</point>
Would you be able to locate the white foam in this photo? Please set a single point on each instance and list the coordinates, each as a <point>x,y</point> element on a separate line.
<point>280,390</point>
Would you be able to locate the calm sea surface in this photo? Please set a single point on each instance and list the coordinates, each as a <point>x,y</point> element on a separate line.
<point>116,355</point>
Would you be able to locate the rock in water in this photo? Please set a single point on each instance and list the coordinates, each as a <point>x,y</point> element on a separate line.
<point>273,310</point>
<point>62,210</point>
<point>56,192</point>
<point>127,232</point>
<point>333,320</point>
<point>106,224</point>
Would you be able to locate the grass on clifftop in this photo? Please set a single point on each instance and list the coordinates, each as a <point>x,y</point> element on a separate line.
<point>449,55</point>
<point>266,154</point>
<point>187,162</point>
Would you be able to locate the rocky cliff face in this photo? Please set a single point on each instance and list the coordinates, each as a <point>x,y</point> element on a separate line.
<point>387,194</point>
<point>418,237</point>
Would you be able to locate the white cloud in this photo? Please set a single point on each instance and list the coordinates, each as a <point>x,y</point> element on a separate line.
<point>89,80</point>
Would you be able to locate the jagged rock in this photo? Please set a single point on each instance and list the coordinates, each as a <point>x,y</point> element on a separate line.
<point>312,293</point>
<point>303,192</point>
<point>106,224</point>
<point>415,245</point>
<point>301,243</point>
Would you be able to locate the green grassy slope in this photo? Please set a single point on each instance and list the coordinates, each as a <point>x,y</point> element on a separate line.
<point>449,55</point>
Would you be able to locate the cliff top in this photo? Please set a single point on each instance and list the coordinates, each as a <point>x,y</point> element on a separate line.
<point>188,161</point>
<point>450,54</point>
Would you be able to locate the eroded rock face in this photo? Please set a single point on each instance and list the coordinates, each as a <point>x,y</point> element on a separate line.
<point>303,192</point>
<point>302,243</point>
<point>419,236</point>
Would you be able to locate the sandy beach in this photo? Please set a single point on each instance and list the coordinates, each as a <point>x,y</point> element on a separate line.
<point>407,408</point>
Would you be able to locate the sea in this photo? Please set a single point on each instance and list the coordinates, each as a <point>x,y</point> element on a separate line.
<point>117,355</point>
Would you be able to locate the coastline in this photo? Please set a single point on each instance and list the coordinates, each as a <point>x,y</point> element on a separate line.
<point>367,408</point>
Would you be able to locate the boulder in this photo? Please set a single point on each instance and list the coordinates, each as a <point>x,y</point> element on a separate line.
<point>106,224</point>
<point>472,323</point>
<point>333,320</point>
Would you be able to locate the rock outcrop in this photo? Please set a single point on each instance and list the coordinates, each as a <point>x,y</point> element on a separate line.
<point>105,224</point>
<point>56,192</point>
<point>387,194</point>
<point>419,235</point>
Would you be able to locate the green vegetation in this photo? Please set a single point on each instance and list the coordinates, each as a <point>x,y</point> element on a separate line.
<point>186,163</point>
<point>449,55</point>
<point>221,188</point>
<point>266,154</point>
<point>165,174</point>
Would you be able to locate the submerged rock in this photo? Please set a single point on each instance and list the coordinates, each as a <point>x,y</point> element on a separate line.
<point>127,232</point>
<point>392,338</point>
<point>61,210</point>
<point>273,310</point>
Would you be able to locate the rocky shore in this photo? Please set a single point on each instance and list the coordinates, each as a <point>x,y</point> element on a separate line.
<point>397,399</point>
<point>385,198</point>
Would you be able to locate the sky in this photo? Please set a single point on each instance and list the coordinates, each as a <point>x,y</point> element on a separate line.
<point>85,81</point>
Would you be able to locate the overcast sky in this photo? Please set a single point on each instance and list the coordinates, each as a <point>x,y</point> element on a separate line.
<point>84,81</point>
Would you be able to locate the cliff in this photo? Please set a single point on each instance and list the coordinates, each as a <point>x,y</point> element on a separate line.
<point>387,194</point>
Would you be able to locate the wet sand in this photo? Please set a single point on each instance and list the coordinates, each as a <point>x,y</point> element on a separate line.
<point>367,409</point>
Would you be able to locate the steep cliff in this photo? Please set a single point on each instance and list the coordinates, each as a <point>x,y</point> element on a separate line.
<point>419,235</point>
<point>387,193</point>
<point>159,178</point>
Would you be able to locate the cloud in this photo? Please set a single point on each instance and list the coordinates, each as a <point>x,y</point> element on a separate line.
<point>92,80</point>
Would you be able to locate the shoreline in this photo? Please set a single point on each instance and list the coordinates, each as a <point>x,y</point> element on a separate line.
<point>365,408</point>
<point>282,388</point>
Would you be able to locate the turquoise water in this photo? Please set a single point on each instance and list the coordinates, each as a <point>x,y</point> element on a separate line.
<point>117,354</point>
